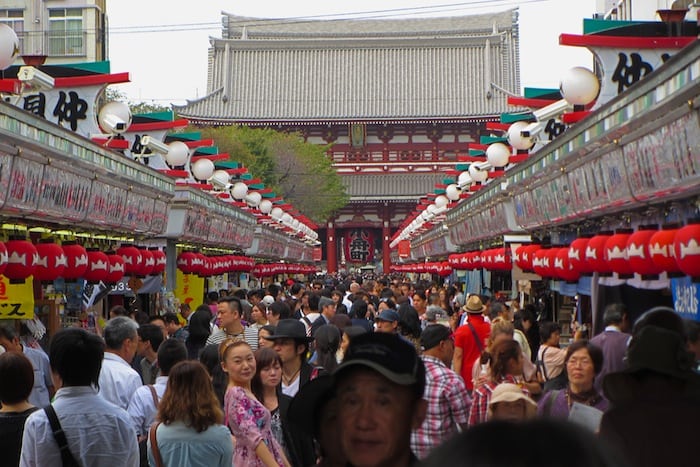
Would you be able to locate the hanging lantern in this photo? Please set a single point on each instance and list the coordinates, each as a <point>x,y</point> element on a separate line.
<point>132,259</point>
<point>498,155</point>
<point>160,260</point>
<point>638,253</point>
<point>3,258</point>
<point>686,246</point>
<point>516,139</point>
<point>502,261</point>
<point>616,253</point>
<point>476,259</point>
<point>116,268</point>
<point>524,255</point>
<point>662,251</point>
<point>540,262</point>
<point>21,259</point>
<point>148,262</point>
<point>51,261</point>
<point>201,264</point>
<point>77,260</point>
<point>577,256</point>
<point>595,254</point>
<point>186,262</point>
<point>563,267</point>
<point>550,262</point>
<point>98,266</point>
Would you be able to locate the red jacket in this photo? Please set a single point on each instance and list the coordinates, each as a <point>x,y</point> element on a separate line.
<point>464,339</point>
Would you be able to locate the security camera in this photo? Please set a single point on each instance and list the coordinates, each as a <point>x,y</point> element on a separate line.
<point>35,78</point>
<point>553,110</point>
<point>154,145</point>
<point>482,166</point>
<point>533,129</point>
<point>114,124</point>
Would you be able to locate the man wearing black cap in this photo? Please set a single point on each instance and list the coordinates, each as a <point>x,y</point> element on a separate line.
<point>292,344</point>
<point>379,390</point>
<point>445,392</point>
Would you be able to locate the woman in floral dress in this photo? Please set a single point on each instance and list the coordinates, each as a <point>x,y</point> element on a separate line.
<point>247,418</point>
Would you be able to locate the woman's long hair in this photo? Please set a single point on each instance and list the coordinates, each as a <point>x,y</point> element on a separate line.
<point>409,322</point>
<point>327,344</point>
<point>264,358</point>
<point>501,353</point>
<point>189,398</point>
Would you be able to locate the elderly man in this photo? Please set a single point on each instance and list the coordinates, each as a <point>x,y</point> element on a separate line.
<point>118,380</point>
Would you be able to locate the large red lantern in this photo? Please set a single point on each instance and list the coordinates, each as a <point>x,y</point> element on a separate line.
<point>616,253</point>
<point>51,261</point>
<point>595,254</point>
<point>132,259</point>
<point>98,266</point>
<point>117,268</point>
<point>3,257</point>
<point>686,246</point>
<point>186,262</point>
<point>540,262</point>
<point>662,251</point>
<point>563,269</point>
<point>77,260</point>
<point>577,256</point>
<point>527,255</point>
<point>21,260</point>
<point>550,261</point>
<point>638,253</point>
<point>148,263</point>
<point>160,260</point>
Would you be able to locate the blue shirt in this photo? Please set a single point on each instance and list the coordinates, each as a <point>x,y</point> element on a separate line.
<point>181,445</point>
<point>39,396</point>
<point>99,433</point>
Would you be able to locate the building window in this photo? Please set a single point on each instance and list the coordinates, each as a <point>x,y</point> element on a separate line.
<point>66,32</point>
<point>15,20</point>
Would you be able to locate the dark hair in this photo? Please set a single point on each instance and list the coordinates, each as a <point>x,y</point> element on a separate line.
<point>213,296</point>
<point>16,377</point>
<point>358,310</point>
<point>314,299</point>
<point>495,309</point>
<point>7,332</point>
<point>354,331</point>
<point>269,328</point>
<point>296,288</point>
<point>692,330</point>
<point>152,334</point>
<point>200,325</point>
<point>209,357</point>
<point>547,328</point>
<point>327,343</point>
<point>264,358</point>
<point>409,321</point>
<point>256,293</point>
<point>118,310</point>
<point>594,352</point>
<point>662,317</point>
<point>234,304</point>
<point>501,353</point>
<point>546,441</point>
<point>613,314</point>
<point>189,398</point>
<point>280,309</point>
<point>421,293</point>
<point>171,352</point>
<point>171,317</point>
<point>76,356</point>
<point>141,317</point>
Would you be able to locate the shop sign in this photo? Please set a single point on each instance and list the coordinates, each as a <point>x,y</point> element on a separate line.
<point>16,300</point>
<point>189,288</point>
<point>686,297</point>
<point>359,246</point>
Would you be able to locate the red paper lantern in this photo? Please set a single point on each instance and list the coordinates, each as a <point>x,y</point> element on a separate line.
<point>98,266</point>
<point>132,259</point>
<point>160,260</point>
<point>21,260</point>
<point>527,255</point>
<point>540,262</point>
<point>577,256</point>
<point>3,257</point>
<point>186,262</point>
<point>686,246</point>
<point>662,251</point>
<point>595,254</point>
<point>116,268</point>
<point>77,260</point>
<point>501,259</point>
<point>200,264</point>
<point>148,263</point>
<point>51,261</point>
<point>563,268</point>
<point>616,253</point>
<point>638,253</point>
<point>550,261</point>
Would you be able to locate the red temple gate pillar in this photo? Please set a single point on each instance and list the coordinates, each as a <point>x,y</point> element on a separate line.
<point>331,249</point>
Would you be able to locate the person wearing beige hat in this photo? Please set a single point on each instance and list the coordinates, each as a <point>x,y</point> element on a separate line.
<point>470,339</point>
<point>508,402</point>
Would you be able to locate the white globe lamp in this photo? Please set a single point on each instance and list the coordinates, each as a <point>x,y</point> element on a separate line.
<point>477,174</point>
<point>516,140</point>
<point>579,86</point>
<point>220,179</point>
<point>277,213</point>
<point>498,154</point>
<point>112,115</point>
<point>239,190</point>
<point>453,192</point>
<point>177,154</point>
<point>203,169</point>
<point>441,201</point>
<point>253,199</point>
<point>265,206</point>
<point>9,46</point>
<point>464,179</point>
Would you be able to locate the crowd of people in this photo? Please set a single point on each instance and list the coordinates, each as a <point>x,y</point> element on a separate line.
<point>363,373</point>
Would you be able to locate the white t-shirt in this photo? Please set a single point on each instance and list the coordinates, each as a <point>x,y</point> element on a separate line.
<point>292,389</point>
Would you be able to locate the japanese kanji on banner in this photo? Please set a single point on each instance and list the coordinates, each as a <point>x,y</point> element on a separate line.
<point>359,246</point>
<point>16,300</point>
<point>189,289</point>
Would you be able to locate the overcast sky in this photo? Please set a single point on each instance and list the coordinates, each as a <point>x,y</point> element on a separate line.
<point>164,46</point>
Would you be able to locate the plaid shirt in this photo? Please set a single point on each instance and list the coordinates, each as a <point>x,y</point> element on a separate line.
<point>448,406</point>
<point>480,408</point>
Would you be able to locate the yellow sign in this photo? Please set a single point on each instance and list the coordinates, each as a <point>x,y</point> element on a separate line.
<point>189,288</point>
<point>16,300</point>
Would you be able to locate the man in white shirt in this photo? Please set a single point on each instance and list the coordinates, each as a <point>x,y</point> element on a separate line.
<point>142,406</point>
<point>98,433</point>
<point>118,380</point>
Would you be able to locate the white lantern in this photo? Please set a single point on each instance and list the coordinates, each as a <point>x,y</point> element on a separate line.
<point>178,154</point>
<point>287,219</point>
<point>425,215</point>
<point>114,117</point>
<point>295,224</point>
<point>9,46</point>
<point>476,174</point>
<point>498,154</point>
<point>453,192</point>
<point>265,206</point>
<point>277,213</point>
<point>203,169</point>
<point>441,201</point>
<point>579,86</point>
<point>220,179</point>
<point>253,199</point>
<point>516,140</point>
<point>239,190</point>
<point>464,179</point>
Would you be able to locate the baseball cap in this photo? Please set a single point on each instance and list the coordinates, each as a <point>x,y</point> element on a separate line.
<point>387,315</point>
<point>268,300</point>
<point>433,335</point>
<point>388,355</point>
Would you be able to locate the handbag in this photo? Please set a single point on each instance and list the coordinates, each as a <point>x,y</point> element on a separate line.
<point>154,444</point>
<point>67,458</point>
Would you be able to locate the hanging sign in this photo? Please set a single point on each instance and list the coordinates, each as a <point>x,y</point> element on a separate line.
<point>16,300</point>
<point>189,288</point>
<point>686,297</point>
<point>359,246</point>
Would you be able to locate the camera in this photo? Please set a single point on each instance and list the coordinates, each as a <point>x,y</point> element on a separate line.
<point>35,78</point>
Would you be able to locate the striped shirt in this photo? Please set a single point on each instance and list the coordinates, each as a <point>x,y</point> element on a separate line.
<point>249,334</point>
